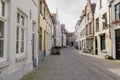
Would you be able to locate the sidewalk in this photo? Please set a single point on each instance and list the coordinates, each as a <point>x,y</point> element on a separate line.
<point>98,56</point>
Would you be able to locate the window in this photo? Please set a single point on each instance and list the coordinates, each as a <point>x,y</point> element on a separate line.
<point>104,20</point>
<point>40,39</point>
<point>102,39</point>
<point>90,28</point>
<point>100,4</point>
<point>1,39</point>
<point>117,11</point>
<point>20,33</point>
<point>97,24</point>
<point>87,30</point>
<point>2,28</point>
<point>88,16</point>
<point>2,8</point>
<point>44,13</point>
<point>40,7</point>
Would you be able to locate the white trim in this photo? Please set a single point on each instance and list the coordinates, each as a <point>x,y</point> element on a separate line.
<point>21,56</point>
<point>5,47</point>
<point>4,63</point>
<point>20,26</point>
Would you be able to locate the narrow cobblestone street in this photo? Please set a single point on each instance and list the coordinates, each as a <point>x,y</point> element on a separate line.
<point>74,65</point>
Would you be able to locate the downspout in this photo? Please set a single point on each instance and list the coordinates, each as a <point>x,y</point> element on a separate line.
<point>93,35</point>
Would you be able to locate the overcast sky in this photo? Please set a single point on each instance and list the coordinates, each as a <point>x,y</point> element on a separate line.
<point>68,10</point>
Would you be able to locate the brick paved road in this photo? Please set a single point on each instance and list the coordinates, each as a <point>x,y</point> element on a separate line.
<point>73,65</point>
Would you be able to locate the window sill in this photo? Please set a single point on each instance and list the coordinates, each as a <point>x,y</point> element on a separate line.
<point>4,63</point>
<point>105,28</point>
<point>97,30</point>
<point>21,57</point>
<point>103,51</point>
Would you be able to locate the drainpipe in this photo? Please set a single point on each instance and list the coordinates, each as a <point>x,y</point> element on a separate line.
<point>93,35</point>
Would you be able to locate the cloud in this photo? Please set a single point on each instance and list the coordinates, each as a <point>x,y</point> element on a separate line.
<point>69,11</point>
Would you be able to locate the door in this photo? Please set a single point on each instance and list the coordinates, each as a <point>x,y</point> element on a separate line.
<point>44,44</point>
<point>96,46</point>
<point>117,35</point>
<point>33,46</point>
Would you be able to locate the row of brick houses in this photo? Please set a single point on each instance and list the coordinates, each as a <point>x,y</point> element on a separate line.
<point>98,30</point>
<point>28,31</point>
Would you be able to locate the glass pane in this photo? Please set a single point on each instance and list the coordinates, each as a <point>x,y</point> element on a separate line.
<point>22,47</point>
<point>17,47</point>
<point>103,42</point>
<point>18,18</point>
<point>17,33</point>
<point>33,26</point>
<point>22,32</point>
<point>1,48</point>
<point>1,29</point>
<point>3,8</point>
<point>117,11</point>
<point>22,20</point>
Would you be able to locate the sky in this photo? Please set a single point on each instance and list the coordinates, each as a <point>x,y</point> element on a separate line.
<point>68,11</point>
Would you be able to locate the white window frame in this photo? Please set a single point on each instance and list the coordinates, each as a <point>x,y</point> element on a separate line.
<point>21,26</point>
<point>4,19</point>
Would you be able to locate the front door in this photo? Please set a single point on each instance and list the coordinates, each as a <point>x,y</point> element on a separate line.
<point>117,35</point>
<point>33,45</point>
<point>96,46</point>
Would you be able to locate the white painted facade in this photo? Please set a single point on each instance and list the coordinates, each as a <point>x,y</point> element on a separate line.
<point>49,37</point>
<point>13,66</point>
<point>58,35</point>
<point>77,34</point>
<point>114,28</point>
<point>99,12</point>
<point>82,32</point>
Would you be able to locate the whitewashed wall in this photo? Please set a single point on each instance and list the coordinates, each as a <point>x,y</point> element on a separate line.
<point>17,67</point>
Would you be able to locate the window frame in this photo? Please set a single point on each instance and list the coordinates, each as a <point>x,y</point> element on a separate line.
<point>3,18</point>
<point>41,6</point>
<point>22,36</point>
<point>103,46</point>
<point>118,4</point>
<point>40,39</point>
<point>97,24</point>
<point>90,28</point>
<point>104,16</point>
<point>87,32</point>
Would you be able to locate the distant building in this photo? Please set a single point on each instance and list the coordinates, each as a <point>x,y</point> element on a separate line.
<point>82,31</point>
<point>77,35</point>
<point>64,35</point>
<point>57,30</point>
<point>70,38</point>
<point>64,40</point>
<point>90,9</point>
